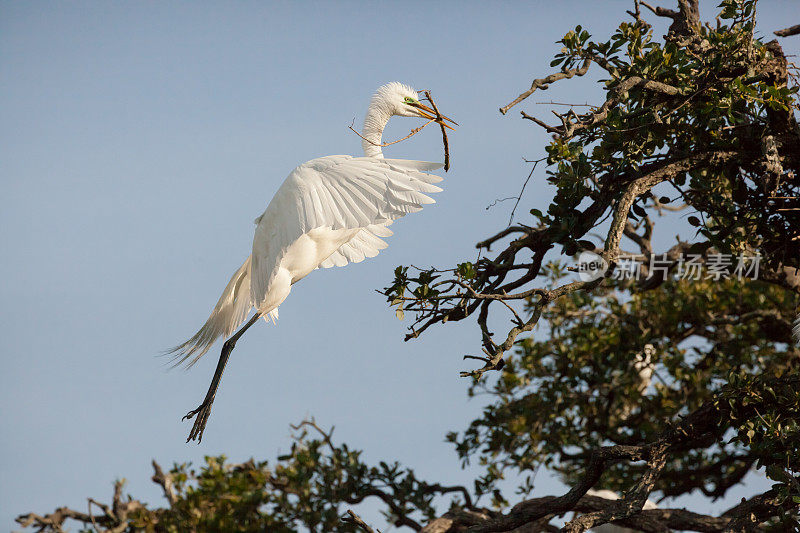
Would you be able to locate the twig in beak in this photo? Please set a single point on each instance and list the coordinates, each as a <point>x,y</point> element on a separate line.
<point>440,121</point>
<point>412,133</point>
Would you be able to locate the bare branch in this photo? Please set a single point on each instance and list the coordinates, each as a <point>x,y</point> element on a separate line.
<point>786,32</point>
<point>543,83</point>
<point>167,485</point>
<point>353,518</point>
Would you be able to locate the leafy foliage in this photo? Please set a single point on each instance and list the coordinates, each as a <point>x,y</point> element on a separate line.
<point>588,383</point>
<point>305,490</point>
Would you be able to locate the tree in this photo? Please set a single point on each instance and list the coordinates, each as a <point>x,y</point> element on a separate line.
<point>656,384</point>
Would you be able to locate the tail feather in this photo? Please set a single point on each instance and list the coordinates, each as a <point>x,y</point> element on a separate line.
<point>796,330</point>
<point>229,313</point>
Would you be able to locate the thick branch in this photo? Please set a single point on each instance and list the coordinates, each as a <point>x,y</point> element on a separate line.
<point>786,32</point>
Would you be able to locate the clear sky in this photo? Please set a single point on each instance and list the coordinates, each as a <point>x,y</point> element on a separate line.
<point>139,140</point>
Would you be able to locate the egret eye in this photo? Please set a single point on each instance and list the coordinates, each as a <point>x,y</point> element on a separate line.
<point>409,100</point>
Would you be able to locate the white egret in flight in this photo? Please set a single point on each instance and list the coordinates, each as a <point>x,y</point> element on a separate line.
<point>329,212</point>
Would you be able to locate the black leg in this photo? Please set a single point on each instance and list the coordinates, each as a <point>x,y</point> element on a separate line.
<point>204,409</point>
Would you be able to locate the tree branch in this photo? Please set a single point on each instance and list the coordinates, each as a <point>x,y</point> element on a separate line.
<point>786,32</point>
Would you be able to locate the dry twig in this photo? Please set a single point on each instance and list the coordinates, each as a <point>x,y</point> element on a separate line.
<point>411,134</point>
<point>444,132</point>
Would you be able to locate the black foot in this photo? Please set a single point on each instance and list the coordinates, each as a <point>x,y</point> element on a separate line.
<point>199,426</point>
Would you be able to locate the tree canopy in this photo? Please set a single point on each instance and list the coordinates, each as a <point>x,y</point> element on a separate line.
<point>675,376</point>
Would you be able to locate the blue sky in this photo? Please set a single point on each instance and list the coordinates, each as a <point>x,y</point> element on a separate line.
<point>138,141</point>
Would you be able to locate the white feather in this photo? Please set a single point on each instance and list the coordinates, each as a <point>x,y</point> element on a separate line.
<point>230,311</point>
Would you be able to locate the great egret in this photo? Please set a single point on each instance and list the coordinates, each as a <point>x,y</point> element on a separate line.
<point>329,212</point>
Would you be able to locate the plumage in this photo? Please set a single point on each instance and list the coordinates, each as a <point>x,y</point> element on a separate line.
<point>329,211</point>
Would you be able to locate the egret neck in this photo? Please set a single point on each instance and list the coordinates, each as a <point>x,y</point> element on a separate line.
<point>377,116</point>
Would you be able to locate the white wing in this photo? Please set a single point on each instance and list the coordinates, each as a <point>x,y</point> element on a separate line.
<point>338,192</point>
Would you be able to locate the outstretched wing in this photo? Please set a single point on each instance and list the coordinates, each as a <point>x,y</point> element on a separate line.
<point>339,192</point>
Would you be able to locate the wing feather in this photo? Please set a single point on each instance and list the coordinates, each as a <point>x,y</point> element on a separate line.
<point>381,230</point>
<point>348,217</point>
<point>368,208</point>
<point>339,192</point>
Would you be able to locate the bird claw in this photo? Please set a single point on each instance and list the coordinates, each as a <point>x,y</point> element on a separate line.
<point>191,414</point>
<point>202,413</point>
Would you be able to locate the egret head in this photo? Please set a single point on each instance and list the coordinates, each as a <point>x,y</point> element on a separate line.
<point>401,100</point>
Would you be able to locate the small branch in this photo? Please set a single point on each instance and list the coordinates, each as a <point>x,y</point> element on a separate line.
<point>327,437</point>
<point>165,481</point>
<point>660,11</point>
<point>562,103</point>
<point>637,12</point>
<point>508,231</point>
<point>547,127</point>
<point>401,514</point>
<point>456,488</point>
<point>353,518</point>
<point>499,200</point>
<point>519,196</point>
<point>444,132</point>
<point>543,83</point>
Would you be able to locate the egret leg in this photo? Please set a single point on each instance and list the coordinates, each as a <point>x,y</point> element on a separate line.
<point>204,409</point>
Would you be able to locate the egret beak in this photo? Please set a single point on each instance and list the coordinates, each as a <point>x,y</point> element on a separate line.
<point>426,112</point>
